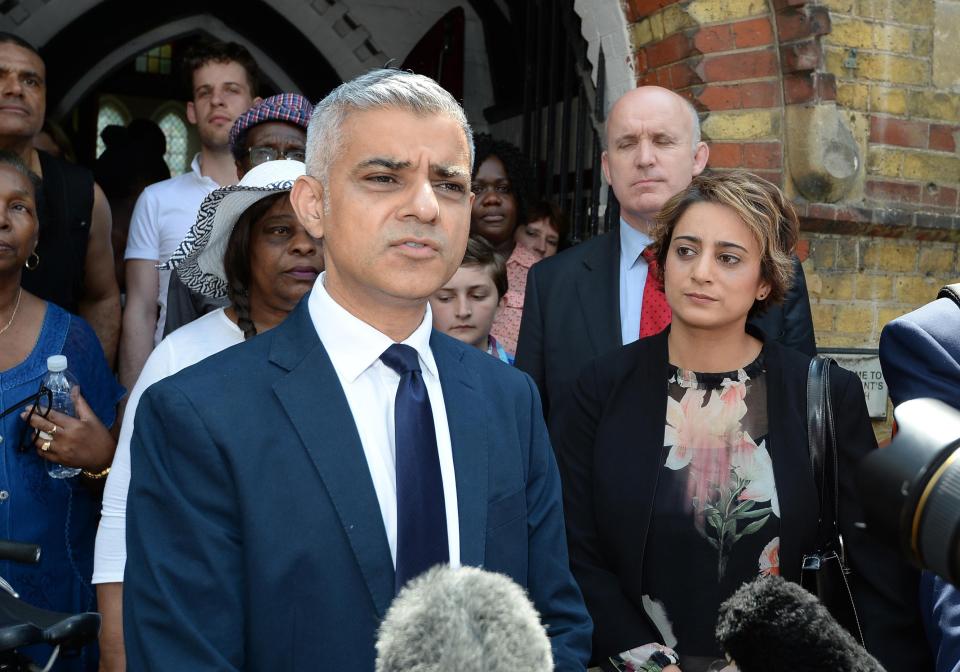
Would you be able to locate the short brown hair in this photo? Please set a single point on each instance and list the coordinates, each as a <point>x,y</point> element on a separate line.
<point>760,205</point>
<point>204,52</point>
<point>551,212</point>
<point>481,253</point>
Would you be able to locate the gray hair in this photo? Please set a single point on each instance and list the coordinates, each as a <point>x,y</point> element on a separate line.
<point>381,88</point>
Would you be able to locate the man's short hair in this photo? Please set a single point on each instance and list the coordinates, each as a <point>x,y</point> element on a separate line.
<point>204,52</point>
<point>381,88</point>
<point>695,134</point>
<point>760,205</point>
<point>17,163</point>
<point>482,254</point>
<point>10,38</point>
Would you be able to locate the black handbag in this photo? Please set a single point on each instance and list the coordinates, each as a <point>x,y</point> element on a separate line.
<point>825,572</point>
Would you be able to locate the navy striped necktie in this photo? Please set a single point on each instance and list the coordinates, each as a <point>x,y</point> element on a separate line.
<point>421,513</point>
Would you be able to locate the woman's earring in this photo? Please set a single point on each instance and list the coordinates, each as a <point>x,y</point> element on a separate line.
<point>32,261</point>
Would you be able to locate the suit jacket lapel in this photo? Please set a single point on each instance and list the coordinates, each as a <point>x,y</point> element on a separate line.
<point>791,466</point>
<point>599,293</point>
<point>468,437</point>
<point>313,399</point>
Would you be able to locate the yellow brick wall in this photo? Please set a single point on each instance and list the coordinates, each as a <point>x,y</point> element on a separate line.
<point>892,77</point>
<point>859,284</point>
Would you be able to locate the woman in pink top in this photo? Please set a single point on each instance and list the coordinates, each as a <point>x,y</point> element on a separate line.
<point>539,237</point>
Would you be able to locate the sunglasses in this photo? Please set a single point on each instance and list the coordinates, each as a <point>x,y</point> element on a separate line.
<point>40,403</point>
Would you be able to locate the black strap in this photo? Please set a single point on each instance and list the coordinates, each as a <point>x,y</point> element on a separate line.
<point>822,443</point>
<point>950,292</point>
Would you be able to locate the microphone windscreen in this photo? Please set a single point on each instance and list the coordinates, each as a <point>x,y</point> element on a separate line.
<point>773,625</point>
<point>463,619</point>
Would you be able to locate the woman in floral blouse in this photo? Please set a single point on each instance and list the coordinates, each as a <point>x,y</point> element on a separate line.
<point>684,455</point>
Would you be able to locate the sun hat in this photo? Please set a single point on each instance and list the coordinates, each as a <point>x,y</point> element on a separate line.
<point>199,258</point>
<point>291,108</point>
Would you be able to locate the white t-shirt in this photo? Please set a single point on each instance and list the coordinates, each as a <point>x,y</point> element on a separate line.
<point>161,219</point>
<point>188,345</point>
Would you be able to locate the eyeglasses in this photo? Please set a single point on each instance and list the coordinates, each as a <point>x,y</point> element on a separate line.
<point>501,188</point>
<point>28,435</point>
<point>265,153</point>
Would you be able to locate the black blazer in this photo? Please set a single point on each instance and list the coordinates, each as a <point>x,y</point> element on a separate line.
<point>609,444</point>
<point>571,314</point>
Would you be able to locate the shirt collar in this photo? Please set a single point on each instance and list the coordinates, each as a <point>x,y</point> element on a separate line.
<point>196,170</point>
<point>632,242</point>
<point>352,344</point>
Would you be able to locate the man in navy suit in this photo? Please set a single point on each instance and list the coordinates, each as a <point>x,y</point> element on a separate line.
<point>283,490</point>
<point>920,357</point>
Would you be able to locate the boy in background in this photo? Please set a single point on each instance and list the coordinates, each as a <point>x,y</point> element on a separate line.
<point>467,304</point>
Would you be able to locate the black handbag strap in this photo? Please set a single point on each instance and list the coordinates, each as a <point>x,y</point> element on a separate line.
<point>950,292</point>
<point>822,443</point>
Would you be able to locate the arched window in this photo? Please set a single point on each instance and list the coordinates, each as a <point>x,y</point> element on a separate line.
<point>111,112</point>
<point>175,130</point>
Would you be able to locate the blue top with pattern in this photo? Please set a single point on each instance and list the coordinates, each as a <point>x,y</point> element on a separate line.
<point>59,515</point>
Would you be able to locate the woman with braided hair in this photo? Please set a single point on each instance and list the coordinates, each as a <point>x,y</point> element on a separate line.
<point>247,245</point>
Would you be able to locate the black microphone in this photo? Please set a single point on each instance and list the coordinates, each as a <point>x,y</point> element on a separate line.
<point>772,625</point>
<point>464,619</point>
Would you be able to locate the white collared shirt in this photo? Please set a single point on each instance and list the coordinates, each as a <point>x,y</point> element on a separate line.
<point>633,278</point>
<point>163,215</point>
<point>354,348</point>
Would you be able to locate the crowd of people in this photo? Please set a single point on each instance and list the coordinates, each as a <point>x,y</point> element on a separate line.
<point>356,347</point>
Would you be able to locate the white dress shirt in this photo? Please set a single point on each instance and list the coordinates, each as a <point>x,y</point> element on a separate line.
<point>633,278</point>
<point>163,215</point>
<point>354,348</point>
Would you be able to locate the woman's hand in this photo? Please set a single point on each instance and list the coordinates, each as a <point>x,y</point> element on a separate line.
<point>639,658</point>
<point>74,442</point>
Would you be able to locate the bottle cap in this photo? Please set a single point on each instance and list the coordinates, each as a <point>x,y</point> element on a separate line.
<point>57,363</point>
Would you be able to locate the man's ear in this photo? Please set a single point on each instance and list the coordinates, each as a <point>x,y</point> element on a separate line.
<point>700,158</point>
<point>605,167</point>
<point>306,197</point>
<point>191,113</point>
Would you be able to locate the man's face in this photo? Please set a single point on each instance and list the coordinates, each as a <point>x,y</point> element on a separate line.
<point>270,141</point>
<point>221,93</point>
<point>466,306</point>
<point>395,214</point>
<point>650,154</point>
<point>23,92</point>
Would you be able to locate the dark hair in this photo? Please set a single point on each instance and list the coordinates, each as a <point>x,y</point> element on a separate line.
<point>558,219</point>
<point>18,164</point>
<point>481,253</point>
<point>202,53</point>
<point>10,38</point>
<point>514,163</point>
<point>761,206</point>
<point>236,262</point>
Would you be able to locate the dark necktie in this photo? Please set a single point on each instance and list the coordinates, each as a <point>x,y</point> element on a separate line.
<point>421,514</point>
<point>655,312</point>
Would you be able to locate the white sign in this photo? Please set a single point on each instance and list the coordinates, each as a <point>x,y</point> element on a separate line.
<point>867,368</point>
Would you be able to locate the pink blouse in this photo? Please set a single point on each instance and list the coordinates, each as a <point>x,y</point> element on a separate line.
<point>506,327</point>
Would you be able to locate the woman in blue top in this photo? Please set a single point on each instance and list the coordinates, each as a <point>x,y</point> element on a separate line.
<point>58,514</point>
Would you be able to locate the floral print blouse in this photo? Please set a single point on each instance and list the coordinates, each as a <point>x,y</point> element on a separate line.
<point>716,516</point>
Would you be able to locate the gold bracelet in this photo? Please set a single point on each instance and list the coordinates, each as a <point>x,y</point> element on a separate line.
<point>96,475</point>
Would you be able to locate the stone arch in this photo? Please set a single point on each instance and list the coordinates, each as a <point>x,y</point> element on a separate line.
<point>603,23</point>
<point>202,22</point>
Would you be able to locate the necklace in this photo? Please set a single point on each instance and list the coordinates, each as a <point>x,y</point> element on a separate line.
<point>14,315</point>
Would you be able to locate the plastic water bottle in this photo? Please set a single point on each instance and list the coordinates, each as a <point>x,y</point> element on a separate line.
<point>60,381</point>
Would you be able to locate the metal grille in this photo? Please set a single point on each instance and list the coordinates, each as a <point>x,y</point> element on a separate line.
<point>563,117</point>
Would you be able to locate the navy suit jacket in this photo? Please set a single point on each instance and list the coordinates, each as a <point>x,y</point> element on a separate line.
<point>920,357</point>
<point>254,534</point>
<point>571,315</point>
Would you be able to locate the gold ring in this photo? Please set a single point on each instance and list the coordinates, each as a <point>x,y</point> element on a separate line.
<point>53,430</point>
<point>45,446</point>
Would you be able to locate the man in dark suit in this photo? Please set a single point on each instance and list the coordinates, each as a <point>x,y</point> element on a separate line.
<point>285,489</point>
<point>920,357</point>
<point>592,298</point>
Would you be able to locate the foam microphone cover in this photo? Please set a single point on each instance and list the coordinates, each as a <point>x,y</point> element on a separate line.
<point>463,619</point>
<point>773,625</point>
